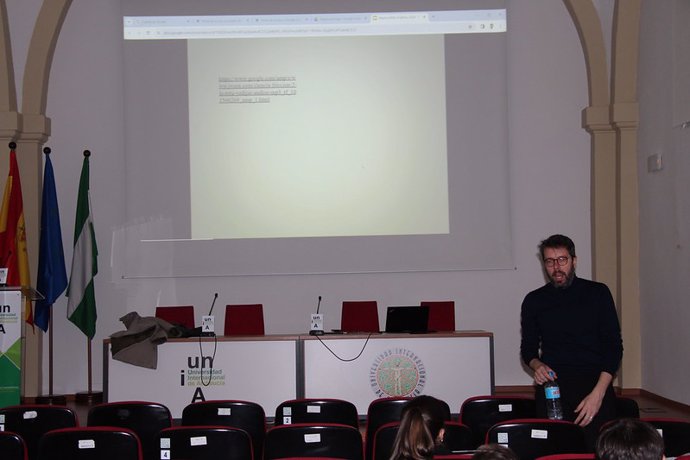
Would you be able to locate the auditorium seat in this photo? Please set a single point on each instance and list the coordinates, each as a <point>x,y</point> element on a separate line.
<point>246,415</point>
<point>12,446</point>
<point>306,440</point>
<point>481,412</point>
<point>182,315</point>
<point>359,316</point>
<point>244,319</point>
<point>205,442</point>
<point>441,315</point>
<point>589,456</point>
<point>627,407</point>
<point>382,411</point>
<point>675,432</point>
<point>144,418</point>
<point>316,411</point>
<point>532,438</point>
<point>90,443</point>
<point>31,421</point>
<point>457,438</point>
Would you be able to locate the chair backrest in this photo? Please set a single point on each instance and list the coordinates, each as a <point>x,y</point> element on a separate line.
<point>675,432</point>
<point>568,457</point>
<point>482,412</point>
<point>144,418</point>
<point>383,440</point>
<point>31,421</point>
<point>360,316</point>
<point>316,411</point>
<point>458,437</point>
<point>532,438</point>
<point>626,407</point>
<point>12,446</point>
<point>90,443</point>
<point>248,416</point>
<point>181,314</point>
<point>441,315</point>
<point>205,442</point>
<point>244,319</point>
<point>467,456</point>
<point>382,411</point>
<point>306,440</point>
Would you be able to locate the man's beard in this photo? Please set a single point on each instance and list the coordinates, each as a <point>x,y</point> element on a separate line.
<point>569,277</point>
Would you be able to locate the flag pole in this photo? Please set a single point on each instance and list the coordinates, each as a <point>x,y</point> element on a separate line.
<point>83,315</point>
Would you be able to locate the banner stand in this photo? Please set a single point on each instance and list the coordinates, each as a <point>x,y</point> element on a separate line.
<point>12,298</point>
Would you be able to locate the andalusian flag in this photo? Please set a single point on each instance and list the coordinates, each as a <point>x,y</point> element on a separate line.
<point>81,304</point>
<point>13,253</point>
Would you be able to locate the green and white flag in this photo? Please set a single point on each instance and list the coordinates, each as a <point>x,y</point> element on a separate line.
<point>81,304</point>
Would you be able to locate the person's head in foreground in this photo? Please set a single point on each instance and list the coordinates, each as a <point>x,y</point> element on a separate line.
<point>630,439</point>
<point>421,429</point>
<point>494,452</point>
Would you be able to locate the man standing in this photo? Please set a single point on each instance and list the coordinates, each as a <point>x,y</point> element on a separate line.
<point>570,332</point>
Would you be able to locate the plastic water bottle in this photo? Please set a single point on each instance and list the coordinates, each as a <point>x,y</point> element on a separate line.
<point>554,411</point>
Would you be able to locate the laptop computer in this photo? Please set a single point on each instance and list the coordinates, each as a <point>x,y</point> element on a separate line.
<point>414,319</point>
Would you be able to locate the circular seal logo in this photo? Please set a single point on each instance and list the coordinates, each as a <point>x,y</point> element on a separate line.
<point>397,372</point>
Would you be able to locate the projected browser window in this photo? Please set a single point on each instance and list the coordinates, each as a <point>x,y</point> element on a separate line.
<point>313,25</point>
<point>294,136</point>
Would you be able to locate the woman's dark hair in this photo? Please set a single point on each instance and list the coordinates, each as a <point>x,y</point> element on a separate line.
<point>420,425</point>
<point>557,241</point>
<point>630,439</point>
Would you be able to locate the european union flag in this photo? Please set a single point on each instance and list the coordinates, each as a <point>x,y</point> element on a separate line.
<point>52,276</point>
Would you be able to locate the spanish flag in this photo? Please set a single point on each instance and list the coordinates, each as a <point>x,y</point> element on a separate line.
<point>13,254</point>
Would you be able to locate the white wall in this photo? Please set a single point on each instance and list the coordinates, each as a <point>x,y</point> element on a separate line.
<point>664,203</point>
<point>550,183</point>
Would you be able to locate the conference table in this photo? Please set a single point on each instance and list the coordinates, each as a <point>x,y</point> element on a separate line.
<point>270,369</point>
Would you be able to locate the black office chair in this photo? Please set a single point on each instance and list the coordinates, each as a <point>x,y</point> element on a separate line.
<point>305,440</point>
<point>246,415</point>
<point>31,421</point>
<point>90,443</point>
<point>12,446</point>
<point>144,418</point>
<point>205,442</point>
<point>532,438</point>
<point>316,411</point>
<point>482,412</point>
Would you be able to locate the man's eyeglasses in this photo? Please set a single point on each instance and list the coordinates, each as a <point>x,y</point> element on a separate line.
<point>561,261</point>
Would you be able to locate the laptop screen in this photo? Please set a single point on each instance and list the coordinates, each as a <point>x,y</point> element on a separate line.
<point>412,319</point>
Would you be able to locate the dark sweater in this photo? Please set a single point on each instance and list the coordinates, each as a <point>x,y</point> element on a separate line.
<point>576,329</point>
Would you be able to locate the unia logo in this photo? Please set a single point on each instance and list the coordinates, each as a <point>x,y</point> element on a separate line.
<point>397,372</point>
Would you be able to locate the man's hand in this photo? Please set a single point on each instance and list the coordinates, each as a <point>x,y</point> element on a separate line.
<point>590,405</point>
<point>588,408</point>
<point>541,372</point>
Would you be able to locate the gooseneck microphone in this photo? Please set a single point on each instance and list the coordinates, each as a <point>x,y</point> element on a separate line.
<point>208,321</point>
<point>215,297</point>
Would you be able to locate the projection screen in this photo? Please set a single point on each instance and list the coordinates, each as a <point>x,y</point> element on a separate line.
<point>276,137</point>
